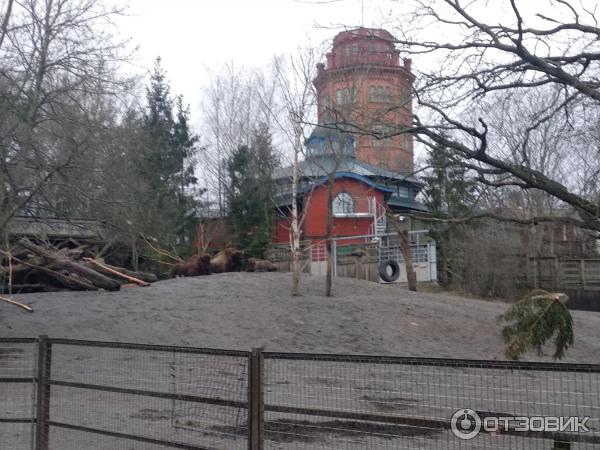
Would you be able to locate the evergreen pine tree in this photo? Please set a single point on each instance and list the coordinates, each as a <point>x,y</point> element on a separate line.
<point>249,192</point>
<point>167,163</point>
<point>448,189</point>
<point>185,148</point>
<point>449,192</point>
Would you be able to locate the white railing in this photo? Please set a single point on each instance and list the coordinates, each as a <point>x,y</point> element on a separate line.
<point>377,211</point>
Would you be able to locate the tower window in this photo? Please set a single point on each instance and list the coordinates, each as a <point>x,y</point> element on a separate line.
<point>381,136</point>
<point>345,96</point>
<point>343,204</point>
<point>380,94</point>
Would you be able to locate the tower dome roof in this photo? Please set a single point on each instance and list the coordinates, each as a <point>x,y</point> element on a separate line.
<point>372,46</point>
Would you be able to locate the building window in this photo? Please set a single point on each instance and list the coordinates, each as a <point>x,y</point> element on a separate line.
<point>343,204</point>
<point>381,136</point>
<point>372,93</point>
<point>404,96</point>
<point>403,192</point>
<point>380,94</point>
<point>406,139</point>
<point>351,50</point>
<point>345,96</point>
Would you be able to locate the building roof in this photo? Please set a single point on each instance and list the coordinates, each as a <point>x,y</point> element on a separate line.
<point>327,140</point>
<point>321,166</point>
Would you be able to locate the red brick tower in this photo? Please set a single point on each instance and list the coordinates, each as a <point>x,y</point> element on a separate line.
<point>363,83</point>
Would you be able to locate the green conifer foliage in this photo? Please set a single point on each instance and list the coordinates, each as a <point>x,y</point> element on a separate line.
<point>449,192</point>
<point>167,160</point>
<point>536,319</point>
<point>249,193</point>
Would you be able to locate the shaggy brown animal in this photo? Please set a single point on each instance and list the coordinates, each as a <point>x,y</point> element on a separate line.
<point>260,265</point>
<point>227,260</point>
<point>195,265</point>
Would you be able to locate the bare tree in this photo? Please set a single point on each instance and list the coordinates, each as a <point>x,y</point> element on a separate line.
<point>524,52</point>
<point>296,94</point>
<point>57,62</point>
<point>235,102</point>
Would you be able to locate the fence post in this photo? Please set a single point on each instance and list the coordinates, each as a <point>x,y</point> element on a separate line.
<point>43,393</point>
<point>255,400</point>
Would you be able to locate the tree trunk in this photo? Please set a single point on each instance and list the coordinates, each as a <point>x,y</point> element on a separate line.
<point>65,280</point>
<point>329,241</point>
<point>411,276</point>
<point>144,276</point>
<point>58,262</point>
<point>112,272</point>
<point>134,255</point>
<point>295,229</point>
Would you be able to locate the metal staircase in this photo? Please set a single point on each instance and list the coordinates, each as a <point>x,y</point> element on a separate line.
<point>377,210</point>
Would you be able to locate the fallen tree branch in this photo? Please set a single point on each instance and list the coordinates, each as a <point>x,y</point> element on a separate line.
<point>144,276</point>
<point>14,302</point>
<point>162,252</point>
<point>110,271</point>
<point>96,278</point>
<point>65,280</point>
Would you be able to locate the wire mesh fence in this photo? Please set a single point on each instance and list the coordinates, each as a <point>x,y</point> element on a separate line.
<point>346,402</point>
<point>169,396</point>
<point>17,393</point>
<point>70,395</point>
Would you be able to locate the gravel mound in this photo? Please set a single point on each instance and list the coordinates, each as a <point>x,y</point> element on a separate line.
<point>243,310</point>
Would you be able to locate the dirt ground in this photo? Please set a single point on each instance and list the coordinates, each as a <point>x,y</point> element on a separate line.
<point>242,310</point>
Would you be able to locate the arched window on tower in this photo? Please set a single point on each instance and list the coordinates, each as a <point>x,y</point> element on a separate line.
<point>345,96</point>
<point>381,135</point>
<point>372,93</point>
<point>343,204</point>
<point>380,94</point>
<point>387,94</point>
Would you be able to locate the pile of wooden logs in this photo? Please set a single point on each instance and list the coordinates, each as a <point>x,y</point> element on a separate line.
<point>30,267</point>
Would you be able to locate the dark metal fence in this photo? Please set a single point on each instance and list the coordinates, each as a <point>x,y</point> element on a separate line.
<point>367,402</point>
<point>17,393</point>
<point>60,394</point>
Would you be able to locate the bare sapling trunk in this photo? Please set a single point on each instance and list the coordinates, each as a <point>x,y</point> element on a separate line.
<point>134,255</point>
<point>329,241</point>
<point>295,229</point>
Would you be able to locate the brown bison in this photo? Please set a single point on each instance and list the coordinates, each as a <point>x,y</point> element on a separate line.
<point>260,265</point>
<point>227,260</point>
<point>195,265</point>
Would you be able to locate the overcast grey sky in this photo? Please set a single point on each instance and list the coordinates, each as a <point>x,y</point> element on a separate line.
<point>194,36</point>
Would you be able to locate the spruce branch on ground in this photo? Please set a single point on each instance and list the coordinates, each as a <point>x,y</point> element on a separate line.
<point>539,317</point>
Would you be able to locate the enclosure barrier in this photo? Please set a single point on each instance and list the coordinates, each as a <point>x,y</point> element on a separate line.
<point>58,394</point>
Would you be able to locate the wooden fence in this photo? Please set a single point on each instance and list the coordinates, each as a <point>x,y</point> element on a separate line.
<point>361,267</point>
<point>565,273</point>
<point>281,256</point>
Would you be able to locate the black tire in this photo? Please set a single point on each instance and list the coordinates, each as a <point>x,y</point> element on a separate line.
<point>383,273</point>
